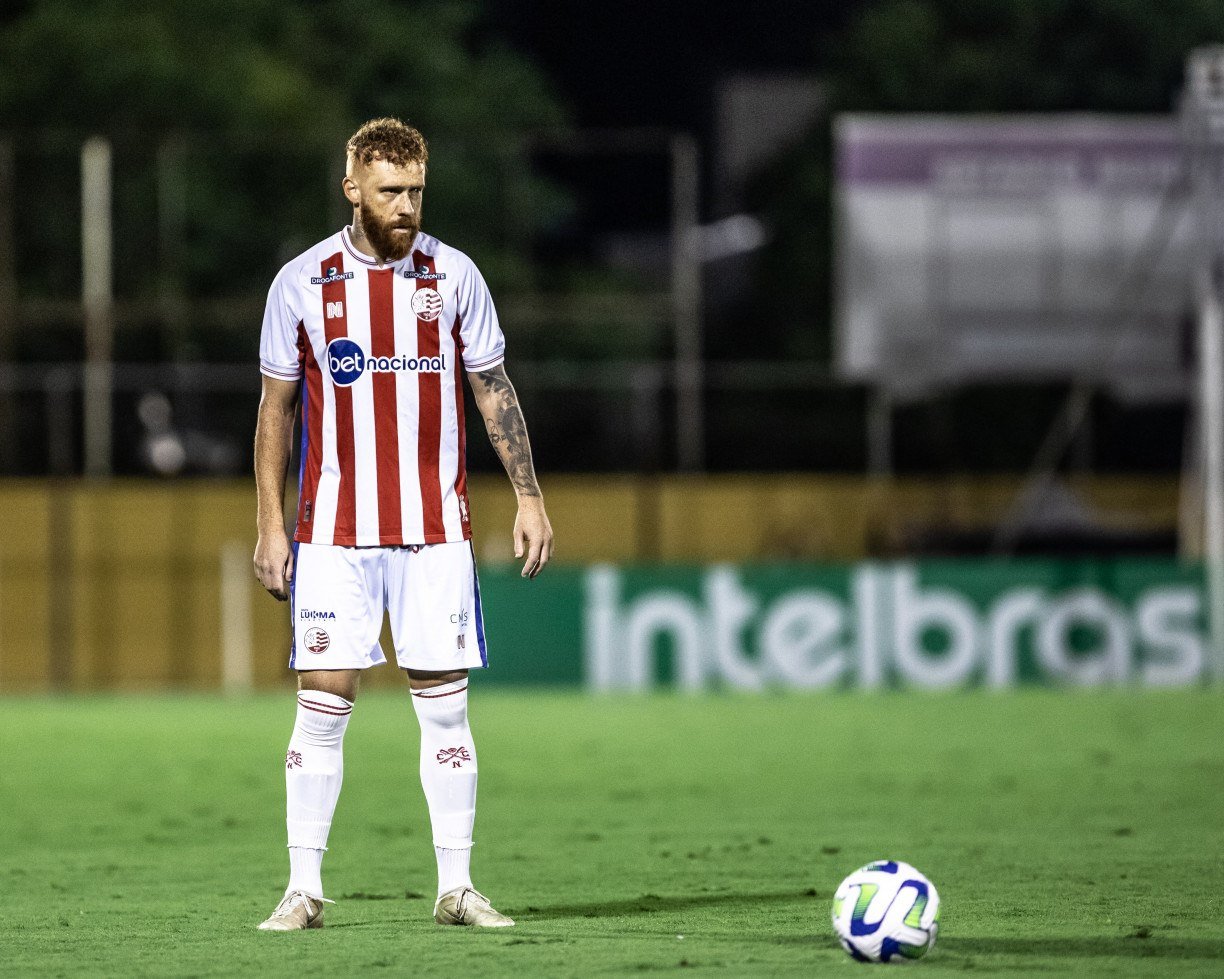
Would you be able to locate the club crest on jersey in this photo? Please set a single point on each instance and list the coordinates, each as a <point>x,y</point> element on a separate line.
<point>427,304</point>
<point>422,272</point>
<point>347,362</point>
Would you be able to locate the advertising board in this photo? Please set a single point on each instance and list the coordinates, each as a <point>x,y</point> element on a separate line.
<point>931,624</point>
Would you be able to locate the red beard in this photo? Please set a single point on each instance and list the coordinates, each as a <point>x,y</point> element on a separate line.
<point>389,246</point>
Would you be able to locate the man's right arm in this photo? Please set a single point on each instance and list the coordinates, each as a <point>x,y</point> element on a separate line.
<point>273,445</point>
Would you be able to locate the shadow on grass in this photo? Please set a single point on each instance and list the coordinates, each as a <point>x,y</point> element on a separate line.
<point>651,904</point>
<point>1085,948</point>
<point>376,922</point>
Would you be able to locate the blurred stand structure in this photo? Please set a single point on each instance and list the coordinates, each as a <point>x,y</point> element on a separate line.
<point>1014,250</point>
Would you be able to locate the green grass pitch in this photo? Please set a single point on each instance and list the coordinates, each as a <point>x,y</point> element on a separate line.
<point>1068,833</point>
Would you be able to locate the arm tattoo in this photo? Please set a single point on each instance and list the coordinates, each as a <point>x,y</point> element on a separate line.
<point>507,431</point>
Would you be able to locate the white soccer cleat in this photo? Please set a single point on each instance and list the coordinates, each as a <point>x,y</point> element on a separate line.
<point>297,911</point>
<point>466,906</point>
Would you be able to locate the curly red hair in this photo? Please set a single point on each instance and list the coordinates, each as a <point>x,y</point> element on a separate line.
<point>388,139</point>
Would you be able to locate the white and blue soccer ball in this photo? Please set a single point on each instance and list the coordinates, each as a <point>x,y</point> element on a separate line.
<point>886,912</point>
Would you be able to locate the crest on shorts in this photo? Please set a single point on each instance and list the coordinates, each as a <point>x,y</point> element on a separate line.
<point>316,640</point>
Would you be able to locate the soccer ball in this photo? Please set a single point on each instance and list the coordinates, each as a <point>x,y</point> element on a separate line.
<point>886,912</point>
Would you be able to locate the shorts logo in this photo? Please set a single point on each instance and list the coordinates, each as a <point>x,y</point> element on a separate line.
<point>347,362</point>
<point>461,641</point>
<point>316,640</point>
<point>460,618</point>
<point>427,304</point>
<point>307,613</point>
<point>293,759</point>
<point>456,756</point>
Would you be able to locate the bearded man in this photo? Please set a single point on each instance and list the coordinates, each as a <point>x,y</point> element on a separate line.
<point>368,330</point>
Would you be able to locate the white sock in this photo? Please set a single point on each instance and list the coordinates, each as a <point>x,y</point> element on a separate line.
<point>448,775</point>
<point>454,868</point>
<point>314,770</point>
<point>305,870</point>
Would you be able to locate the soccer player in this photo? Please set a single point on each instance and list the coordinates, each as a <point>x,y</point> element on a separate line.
<point>370,329</point>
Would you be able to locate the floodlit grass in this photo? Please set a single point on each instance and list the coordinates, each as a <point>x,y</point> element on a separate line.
<point>1074,833</point>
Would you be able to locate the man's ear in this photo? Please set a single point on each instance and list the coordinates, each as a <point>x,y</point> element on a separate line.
<point>351,190</point>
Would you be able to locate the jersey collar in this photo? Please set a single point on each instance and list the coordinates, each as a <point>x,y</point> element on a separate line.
<point>346,238</point>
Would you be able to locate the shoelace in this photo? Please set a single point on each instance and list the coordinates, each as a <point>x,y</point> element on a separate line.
<point>460,900</point>
<point>289,902</point>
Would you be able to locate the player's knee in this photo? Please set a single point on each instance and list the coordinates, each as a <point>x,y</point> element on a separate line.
<point>342,683</point>
<point>443,706</point>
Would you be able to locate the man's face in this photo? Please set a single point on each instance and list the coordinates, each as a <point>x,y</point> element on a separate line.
<point>388,200</point>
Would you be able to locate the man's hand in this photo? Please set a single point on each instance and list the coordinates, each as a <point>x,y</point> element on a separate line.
<point>533,536</point>
<point>274,564</point>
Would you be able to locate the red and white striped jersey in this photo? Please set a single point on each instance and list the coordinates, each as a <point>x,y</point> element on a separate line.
<point>379,350</point>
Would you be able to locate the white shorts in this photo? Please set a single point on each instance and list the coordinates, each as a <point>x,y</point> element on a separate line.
<point>338,595</point>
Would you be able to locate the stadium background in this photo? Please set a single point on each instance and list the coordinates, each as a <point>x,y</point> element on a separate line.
<point>794,440</point>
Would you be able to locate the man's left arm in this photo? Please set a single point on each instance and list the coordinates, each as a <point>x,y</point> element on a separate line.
<point>499,407</point>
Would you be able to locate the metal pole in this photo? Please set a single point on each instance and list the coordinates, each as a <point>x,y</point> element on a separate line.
<point>686,304</point>
<point>236,657</point>
<point>1202,112</point>
<point>98,301</point>
<point>59,386</point>
<point>8,297</point>
<point>1211,431</point>
<point>171,232</point>
<point>62,580</point>
<point>880,434</point>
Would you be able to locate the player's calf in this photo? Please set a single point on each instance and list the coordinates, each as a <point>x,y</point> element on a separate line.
<point>314,772</point>
<point>448,776</point>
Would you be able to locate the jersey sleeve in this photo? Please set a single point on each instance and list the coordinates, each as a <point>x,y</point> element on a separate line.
<point>484,344</point>
<point>278,341</point>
